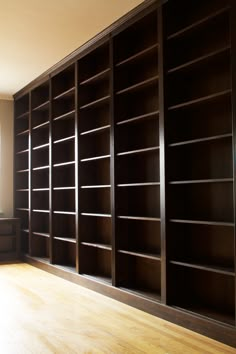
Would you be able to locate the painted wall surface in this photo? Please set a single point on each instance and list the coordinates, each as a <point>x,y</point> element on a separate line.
<point>6,157</point>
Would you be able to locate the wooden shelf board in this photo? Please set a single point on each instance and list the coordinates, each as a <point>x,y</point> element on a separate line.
<point>203,222</point>
<point>212,180</point>
<point>64,212</point>
<point>61,164</point>
<point>24,132</point>
<point>199,100</point>
<point>96,77</point>
<point>43,106</point>
<point>198,60</point>
<point>65,239</point>
<point>25,230</point>
<point>22,209</point>
<point>26,151</point>
<point>145,184</point>
<point>40,189</point>
<point>97,245</point>
<point>95,158</point>
<point>64,94</point>
<point>69,138</point>
<point>150,115</point>
<point>98,278</point>
<point>41,211</point>
<point>40,147</point>
<point>96,130</point>
<point>42,234</point>
<point>206,267</point>
<point>42,125</point>
<point>151,295</point>
<point>144,218</point>
<point>96,215</point>
<point>155,257</point>
<point>139,151</point>
<point>96,186</point>
<point>203,311</point>
<point>64,188</point>
<point>66,115</point>
<point>22,171</point>
<point>23,115</point>
<point>96,102</point>
<point>139,85</point>
<point>198,23</point>
<point>40,168</point>
<point>202,140</point>
<point>22,190</point>
<point>138,55</point>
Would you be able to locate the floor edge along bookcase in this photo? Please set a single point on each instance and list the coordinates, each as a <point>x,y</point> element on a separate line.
<point>125,164</point>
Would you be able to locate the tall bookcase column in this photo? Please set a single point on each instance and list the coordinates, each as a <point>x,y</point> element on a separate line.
<point>64,168</point>
<point>137,157</point>
<point>233,79</point>
<point>22,171</point>
<point>201,214</point>
<point>94,108</point>
<point>40,171</point>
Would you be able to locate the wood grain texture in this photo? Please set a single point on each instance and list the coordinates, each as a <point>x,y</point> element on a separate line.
<point>41,313</point>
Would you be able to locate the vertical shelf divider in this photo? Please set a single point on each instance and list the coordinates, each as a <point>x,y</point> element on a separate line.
<point>77,170</point>
<point>50,175</point>
<point>30,175</point>
<point>113,167</point>
<point>161,68</point>
<point>233,78</point>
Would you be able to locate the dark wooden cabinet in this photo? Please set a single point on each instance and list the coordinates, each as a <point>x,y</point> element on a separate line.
<point>124,164</point>
<point>9,239</point>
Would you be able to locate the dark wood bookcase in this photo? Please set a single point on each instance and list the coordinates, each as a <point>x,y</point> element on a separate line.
<point>125,164</point>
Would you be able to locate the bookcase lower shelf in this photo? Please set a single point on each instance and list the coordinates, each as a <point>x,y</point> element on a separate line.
<point>153,305</point>
<point>9,239</point>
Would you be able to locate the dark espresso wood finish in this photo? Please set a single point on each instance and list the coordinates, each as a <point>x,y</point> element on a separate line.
<point>125,164</point>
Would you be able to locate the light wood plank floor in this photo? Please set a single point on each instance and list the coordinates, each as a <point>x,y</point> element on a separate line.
<point>41,313</point>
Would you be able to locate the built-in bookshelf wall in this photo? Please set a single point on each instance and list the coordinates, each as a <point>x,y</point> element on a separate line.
<point>124,165</point>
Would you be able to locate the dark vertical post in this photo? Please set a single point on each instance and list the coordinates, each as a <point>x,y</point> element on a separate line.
<point>51,257</point>
<point>161,66</point>
<point>30,177</point>
<point>77,225</point>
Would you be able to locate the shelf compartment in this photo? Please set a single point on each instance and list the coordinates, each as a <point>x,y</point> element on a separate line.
<point>140,275</point>
<point>96,262</point>
<point>40,223</point>
<point>95,201</point>
<point>63,81</point>
<point>64,176</point>
<point>141,201</point>
<point>138,168</point>
<point>139,55</point>
<point>95,173</point>
<point>96,130</point>
<point>22,180</point>
<point>137,103</point>
<point>64,226</point>
<point>64,253</point>
<point>63,107</point>
<point>22,200</point>
<point>199,15</point>
<point>200,81</point>
<point>206,267</point>
<point>40,95</point>
<point>207,159</point>
<point>136,38</point>
<point>206,202</point>
<point>40,246</point>
<point>64,152</point>
<point>65,94</point>
<point>140,85</point>
<point>94,64</point>
<point>40,158</point>
<point>216,37</point>
<point>63,129</point>
<point>94,91</point>
<point>40,136</point>
<point>64,200</point>
<point>134,74</point>
<point>206,119</point>
<point>95,145</point>
<point>201,244</point>
<point>101,101</point>
<point>95,230</point>
<point>40,179</point>
<point>22,142</point>
<point>140,236</point>
<point>208,294</point>
<point>21,124</point>
<point>141,135</point>
<point>95,118</point>
<point>40,199</point>
<point>134,120</point>
<point>22,106</point>
<point>7,247</point>
<point>97,77</point>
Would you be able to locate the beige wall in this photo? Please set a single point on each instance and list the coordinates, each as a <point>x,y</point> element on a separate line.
<point>6,158</point>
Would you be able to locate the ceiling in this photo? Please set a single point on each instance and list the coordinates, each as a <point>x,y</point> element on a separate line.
<point>35,35</point>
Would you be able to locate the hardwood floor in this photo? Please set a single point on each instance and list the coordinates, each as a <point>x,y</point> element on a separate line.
<point>41,313</point>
